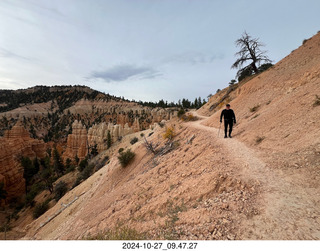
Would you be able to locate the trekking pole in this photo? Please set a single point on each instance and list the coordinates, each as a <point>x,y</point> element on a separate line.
<point>219,129</point>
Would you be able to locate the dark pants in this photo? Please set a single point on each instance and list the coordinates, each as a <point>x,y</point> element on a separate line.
<point>226,123</point>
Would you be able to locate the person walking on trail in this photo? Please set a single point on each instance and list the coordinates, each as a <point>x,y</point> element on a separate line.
<point>229,119</point>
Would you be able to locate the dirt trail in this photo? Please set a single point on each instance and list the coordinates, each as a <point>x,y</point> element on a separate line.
<point>288,210</point>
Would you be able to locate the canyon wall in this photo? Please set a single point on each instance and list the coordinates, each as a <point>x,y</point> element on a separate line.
<point>119,123</point>
<point>15,144</point>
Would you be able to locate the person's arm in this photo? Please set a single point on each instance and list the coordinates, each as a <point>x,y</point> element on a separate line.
<point>221,116</point>
<point>234,117</point>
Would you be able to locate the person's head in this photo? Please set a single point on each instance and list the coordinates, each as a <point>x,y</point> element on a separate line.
<point>228,106</point>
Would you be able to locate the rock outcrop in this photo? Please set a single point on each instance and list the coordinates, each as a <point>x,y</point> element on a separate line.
<point>77,143</point>
<point>98,134</point>
<point>119,123</point>
<point>15,144</point>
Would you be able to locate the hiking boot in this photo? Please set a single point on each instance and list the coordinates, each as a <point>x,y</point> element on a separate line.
<point>230,136</point>
<point>225,136</point>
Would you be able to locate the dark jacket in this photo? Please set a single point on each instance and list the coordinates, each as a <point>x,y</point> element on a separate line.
<point>228,115</point>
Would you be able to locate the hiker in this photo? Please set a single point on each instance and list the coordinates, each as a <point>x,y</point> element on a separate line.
<point>229,118</point>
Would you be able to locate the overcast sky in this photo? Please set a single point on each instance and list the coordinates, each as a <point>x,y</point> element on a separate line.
<point>142,49</point>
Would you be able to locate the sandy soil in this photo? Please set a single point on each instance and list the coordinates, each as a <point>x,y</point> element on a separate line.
<point>291,208</point>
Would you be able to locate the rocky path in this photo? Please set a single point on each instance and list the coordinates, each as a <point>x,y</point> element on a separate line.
<point>288,210</point>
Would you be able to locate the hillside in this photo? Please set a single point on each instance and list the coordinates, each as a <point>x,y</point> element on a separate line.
<point>47,131</point>
<point>262,184</point>
<point>48,112</point>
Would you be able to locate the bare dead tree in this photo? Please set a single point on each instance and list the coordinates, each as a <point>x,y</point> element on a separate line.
<point>249,51</point>
<point>150,146</point>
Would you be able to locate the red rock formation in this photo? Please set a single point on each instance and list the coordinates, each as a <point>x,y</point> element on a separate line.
<point>77,142</point>
<point>15,144</point>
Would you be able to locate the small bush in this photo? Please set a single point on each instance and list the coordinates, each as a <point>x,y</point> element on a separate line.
<point>134,140</point>
<point>169,134</point>
<point>161,124</point>
<point>141,134</point>
<point>120,150</point>
<point>83,164</point>
<point>317,101</point>
<point>126,157</point>
<point>255,108</point>
<point>181,112</point>
<point>40,209</point>
<point>59,190</point>
<point>188,117</point>
<point>77,182</point>
<point>34,191</point>
<point>119,233</point>
<point>259,139</point>
<point>86,173</point>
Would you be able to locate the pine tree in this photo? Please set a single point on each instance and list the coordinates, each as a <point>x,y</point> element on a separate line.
<point>109,140</point>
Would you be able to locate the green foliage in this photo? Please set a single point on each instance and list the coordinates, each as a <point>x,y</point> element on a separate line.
<point>264,67</point>
<point>232,82</point>
<point>126,157</point>
<point>141,134</point>
<point>94,150</point>
<point>60,189</point>
<point>181,112</point>
<point>40,209</point>
<point>245,72</point>
<point>83,164</point>
<point>134,140</point>
<point>35,189</point>
<point>69,166</point>
<point>57,162</point>
<point>76,159</point>
<point>120,150</point>
<point>48,179</point>
<point>29,170</point>
<point>109,140</point>
<point>119,233</point>
<point>86,171</point>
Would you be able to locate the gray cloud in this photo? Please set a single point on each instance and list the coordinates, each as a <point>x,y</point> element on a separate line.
<point>125,71</point>
<point>193,58</point>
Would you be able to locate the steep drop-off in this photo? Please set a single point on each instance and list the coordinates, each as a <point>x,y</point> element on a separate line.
<point>15,144</point>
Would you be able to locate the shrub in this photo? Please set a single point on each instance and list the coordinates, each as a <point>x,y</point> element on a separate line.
<point>188,117</point>
<point>86,173</point>
<point>259,139</point>
<point>40,209</point>
<point>77,182</point>
<point>255,108</point>
<point>317,101</point>
<point>119,233</point>
<point>83,164</point>
<point>34,191</point>
<point>181,112</point>
<point>161,124</point>
<point>264,67</point>
<point>126,157</point>
<point>134,140</point>
<point>120,150</point>
<point>169,134</point>
<point>59,190</point>
<point>141,134</point>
